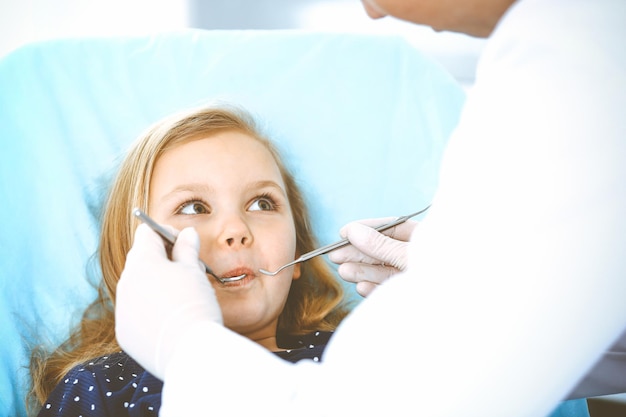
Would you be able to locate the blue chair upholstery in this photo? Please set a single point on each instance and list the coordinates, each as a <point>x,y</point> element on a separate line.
<point>362,119</point>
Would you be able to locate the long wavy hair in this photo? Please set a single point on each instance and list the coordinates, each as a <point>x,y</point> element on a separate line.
<point>315,301</point>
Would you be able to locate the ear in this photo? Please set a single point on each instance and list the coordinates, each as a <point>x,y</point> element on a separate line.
<point>296,271</point>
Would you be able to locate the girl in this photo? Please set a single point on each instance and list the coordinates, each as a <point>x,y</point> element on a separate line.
<point>210,169</point>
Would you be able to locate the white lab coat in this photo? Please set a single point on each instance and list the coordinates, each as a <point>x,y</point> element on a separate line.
<point>515,283</point>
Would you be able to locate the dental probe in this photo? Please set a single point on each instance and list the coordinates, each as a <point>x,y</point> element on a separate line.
<point>171,238</point>
<point>341,243</point>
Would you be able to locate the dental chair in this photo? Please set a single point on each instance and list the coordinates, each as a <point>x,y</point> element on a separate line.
<point>362,120</point>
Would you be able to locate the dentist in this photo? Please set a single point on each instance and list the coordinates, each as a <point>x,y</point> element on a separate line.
<point>514,282</point>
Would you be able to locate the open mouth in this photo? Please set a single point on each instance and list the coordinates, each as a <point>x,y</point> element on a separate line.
<point>236,275</point>
<point>225,280</point>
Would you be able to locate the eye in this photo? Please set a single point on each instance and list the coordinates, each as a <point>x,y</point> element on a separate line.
<point>263,203</point>
<point>193,207</point>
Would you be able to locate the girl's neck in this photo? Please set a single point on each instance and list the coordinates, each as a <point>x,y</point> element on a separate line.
<point>269,343</point>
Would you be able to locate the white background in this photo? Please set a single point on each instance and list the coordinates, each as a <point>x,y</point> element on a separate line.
<point>24,21</point>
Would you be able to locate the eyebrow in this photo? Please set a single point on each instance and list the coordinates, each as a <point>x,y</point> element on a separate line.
<point>203,188</point>
<point>266,184</point>
<point>185,188</point>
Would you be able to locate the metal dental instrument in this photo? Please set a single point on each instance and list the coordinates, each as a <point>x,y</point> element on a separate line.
<point>171,238</point>
<point>325,249</point>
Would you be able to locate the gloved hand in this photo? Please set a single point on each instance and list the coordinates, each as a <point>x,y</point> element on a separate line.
<point>158,298</point>
<point>372,257</point>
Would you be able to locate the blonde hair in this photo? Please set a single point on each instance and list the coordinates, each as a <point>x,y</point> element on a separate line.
<point>315,301</point>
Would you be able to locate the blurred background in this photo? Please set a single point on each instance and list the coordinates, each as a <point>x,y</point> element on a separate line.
<point>24,21</point>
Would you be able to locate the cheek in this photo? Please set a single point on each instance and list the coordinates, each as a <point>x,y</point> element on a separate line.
<point>281,284</point>
<point>279,242</point>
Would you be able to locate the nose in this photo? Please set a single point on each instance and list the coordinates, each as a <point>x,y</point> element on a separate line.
<point>372,9</point>
<point>235,233</point>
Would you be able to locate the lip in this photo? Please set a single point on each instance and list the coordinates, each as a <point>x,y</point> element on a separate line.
<point>250,275</point>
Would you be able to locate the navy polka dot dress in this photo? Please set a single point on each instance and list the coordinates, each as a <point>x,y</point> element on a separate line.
<point>115,385</point>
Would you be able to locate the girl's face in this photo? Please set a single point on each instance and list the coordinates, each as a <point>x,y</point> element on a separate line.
<point>229,188</point>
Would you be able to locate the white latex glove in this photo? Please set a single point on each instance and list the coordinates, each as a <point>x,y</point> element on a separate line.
<point>372,257</point>
<point>159,298</point>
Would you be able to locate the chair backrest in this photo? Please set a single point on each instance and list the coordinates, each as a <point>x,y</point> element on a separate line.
<point>362,120</point>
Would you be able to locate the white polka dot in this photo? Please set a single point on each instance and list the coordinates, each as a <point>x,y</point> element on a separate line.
<point>109,393</point>
<point>93,407</point>
<point>145,389</point>
<point>134,384</point>
<point>125,404</point>
<point>107,380</point>
<point>67,380</point>
<point>311,346</point>
<point>121,378</point>
<point>132,405</point>
<point>90,388</point>
<point>107,366</point>
<point>316,359</point>
<point>120,364</point>
<point>151,408</point>
<point>77,398</point>
<point>48,406</point>
<point>317,333</point>
<point>75,381</point>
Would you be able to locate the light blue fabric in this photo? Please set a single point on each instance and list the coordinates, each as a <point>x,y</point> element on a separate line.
<point>363,121</point>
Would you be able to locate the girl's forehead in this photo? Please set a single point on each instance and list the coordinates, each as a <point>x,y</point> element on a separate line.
<point>222,157</point>
<point>217,146</point>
